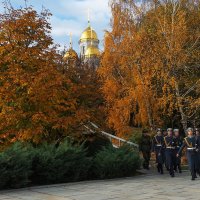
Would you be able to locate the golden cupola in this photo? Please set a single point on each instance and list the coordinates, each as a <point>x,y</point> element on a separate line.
<point>92,51</point>
<point>89,43</point>
<point>70,54</point>
<point>88,34</point>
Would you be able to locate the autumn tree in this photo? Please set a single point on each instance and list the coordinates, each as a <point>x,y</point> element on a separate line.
<point>36,100</point>
<point>177,28</point>
<point>150,66</point>
<point>125,71</point>
<point>88,94</point>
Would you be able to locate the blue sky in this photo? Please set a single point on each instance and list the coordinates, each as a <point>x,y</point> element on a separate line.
<point>71,16</point>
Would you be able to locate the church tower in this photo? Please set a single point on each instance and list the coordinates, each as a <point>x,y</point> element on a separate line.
<point>70,55</point>
<point>70,58</point>
<point>89,45</point>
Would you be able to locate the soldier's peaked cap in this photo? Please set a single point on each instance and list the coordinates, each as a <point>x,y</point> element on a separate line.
<point>169,129</point>
<point>176,130</point>
<point>159,129</point>
<point>189,129</point>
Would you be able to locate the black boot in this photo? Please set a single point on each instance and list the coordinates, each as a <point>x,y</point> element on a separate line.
<point>161,170</point>
<point>179,169</point>
<point>193,175</point>
<point>158,168</point>
<point>171,172</point>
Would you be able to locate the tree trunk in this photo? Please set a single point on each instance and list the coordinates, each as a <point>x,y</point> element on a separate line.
<point>180,107</point>
<point>146,100</point>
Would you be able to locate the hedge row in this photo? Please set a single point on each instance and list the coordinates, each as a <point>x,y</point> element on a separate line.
<point>23,165</point>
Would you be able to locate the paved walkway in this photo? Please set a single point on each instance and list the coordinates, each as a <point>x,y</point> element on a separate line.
<point>143,187</point>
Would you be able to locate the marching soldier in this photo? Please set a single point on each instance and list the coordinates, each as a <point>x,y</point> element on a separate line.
<point>197,133</point>
<point>165,134</point>
<point>145,148</point>
<point>179,143</point>
<point>157,144</point>
<point>170,154</point>
<point>190,143</point>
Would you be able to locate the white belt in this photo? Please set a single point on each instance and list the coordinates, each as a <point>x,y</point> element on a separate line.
<point>170,147</point>
<point>158,145</point>
<point>191,148</point>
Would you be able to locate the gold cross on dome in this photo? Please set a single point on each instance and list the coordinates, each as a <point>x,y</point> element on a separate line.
<point>88,13</point>
<point>70,39</point>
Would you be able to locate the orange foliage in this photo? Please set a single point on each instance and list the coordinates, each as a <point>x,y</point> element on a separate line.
<point>127,79</point>
<point>150,67</point>
<point>37,101</point>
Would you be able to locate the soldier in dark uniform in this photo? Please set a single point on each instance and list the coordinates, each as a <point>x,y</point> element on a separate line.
<point>190,143</point>
<point>178,142</point>
<point>170,153</point>
<point>197,134</point>
<point>145,148</point>
<point>157,144</point>
<point>165,134</point>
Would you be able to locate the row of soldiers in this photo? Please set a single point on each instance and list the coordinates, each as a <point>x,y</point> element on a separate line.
<point>168,150</point>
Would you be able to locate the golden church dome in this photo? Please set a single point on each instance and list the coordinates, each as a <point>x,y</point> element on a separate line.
<point>88,34</point>
<point>92,51</point>
<point>70,54</point>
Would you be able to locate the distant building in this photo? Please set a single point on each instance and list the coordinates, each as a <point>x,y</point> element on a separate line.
<point>70,56</point>
<point>89,48</point>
